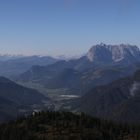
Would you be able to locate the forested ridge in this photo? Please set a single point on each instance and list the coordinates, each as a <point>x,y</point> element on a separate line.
<point>67,126</point>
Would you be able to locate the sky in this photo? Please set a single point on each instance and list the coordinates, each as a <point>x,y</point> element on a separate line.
<point>66,27</point>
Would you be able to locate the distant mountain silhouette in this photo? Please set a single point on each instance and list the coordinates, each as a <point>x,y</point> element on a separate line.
<point>13,66</point>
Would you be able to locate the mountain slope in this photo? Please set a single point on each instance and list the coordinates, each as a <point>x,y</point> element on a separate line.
<point>19,94</point>
<point>8,110</point>
<point>118,100</point>
<point>16,99</point>
<point>68,78</point>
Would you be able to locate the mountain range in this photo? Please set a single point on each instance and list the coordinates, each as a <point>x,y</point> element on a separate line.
<point>97,79</point>
<point>11,66</point>
<point>101,65</point>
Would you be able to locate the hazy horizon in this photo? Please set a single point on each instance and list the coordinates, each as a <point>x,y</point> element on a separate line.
<point>60,56</point>
<point>66,27</point>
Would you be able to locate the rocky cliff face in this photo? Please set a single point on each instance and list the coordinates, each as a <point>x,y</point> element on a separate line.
<point>113,53</point>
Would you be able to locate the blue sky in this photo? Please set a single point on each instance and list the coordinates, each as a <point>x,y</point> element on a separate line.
<point>70,27</point>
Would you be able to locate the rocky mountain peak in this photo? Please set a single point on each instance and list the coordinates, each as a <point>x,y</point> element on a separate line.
<point>113,53</point>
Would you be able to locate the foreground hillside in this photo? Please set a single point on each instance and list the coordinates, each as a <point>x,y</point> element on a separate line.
<point>66,126</point>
